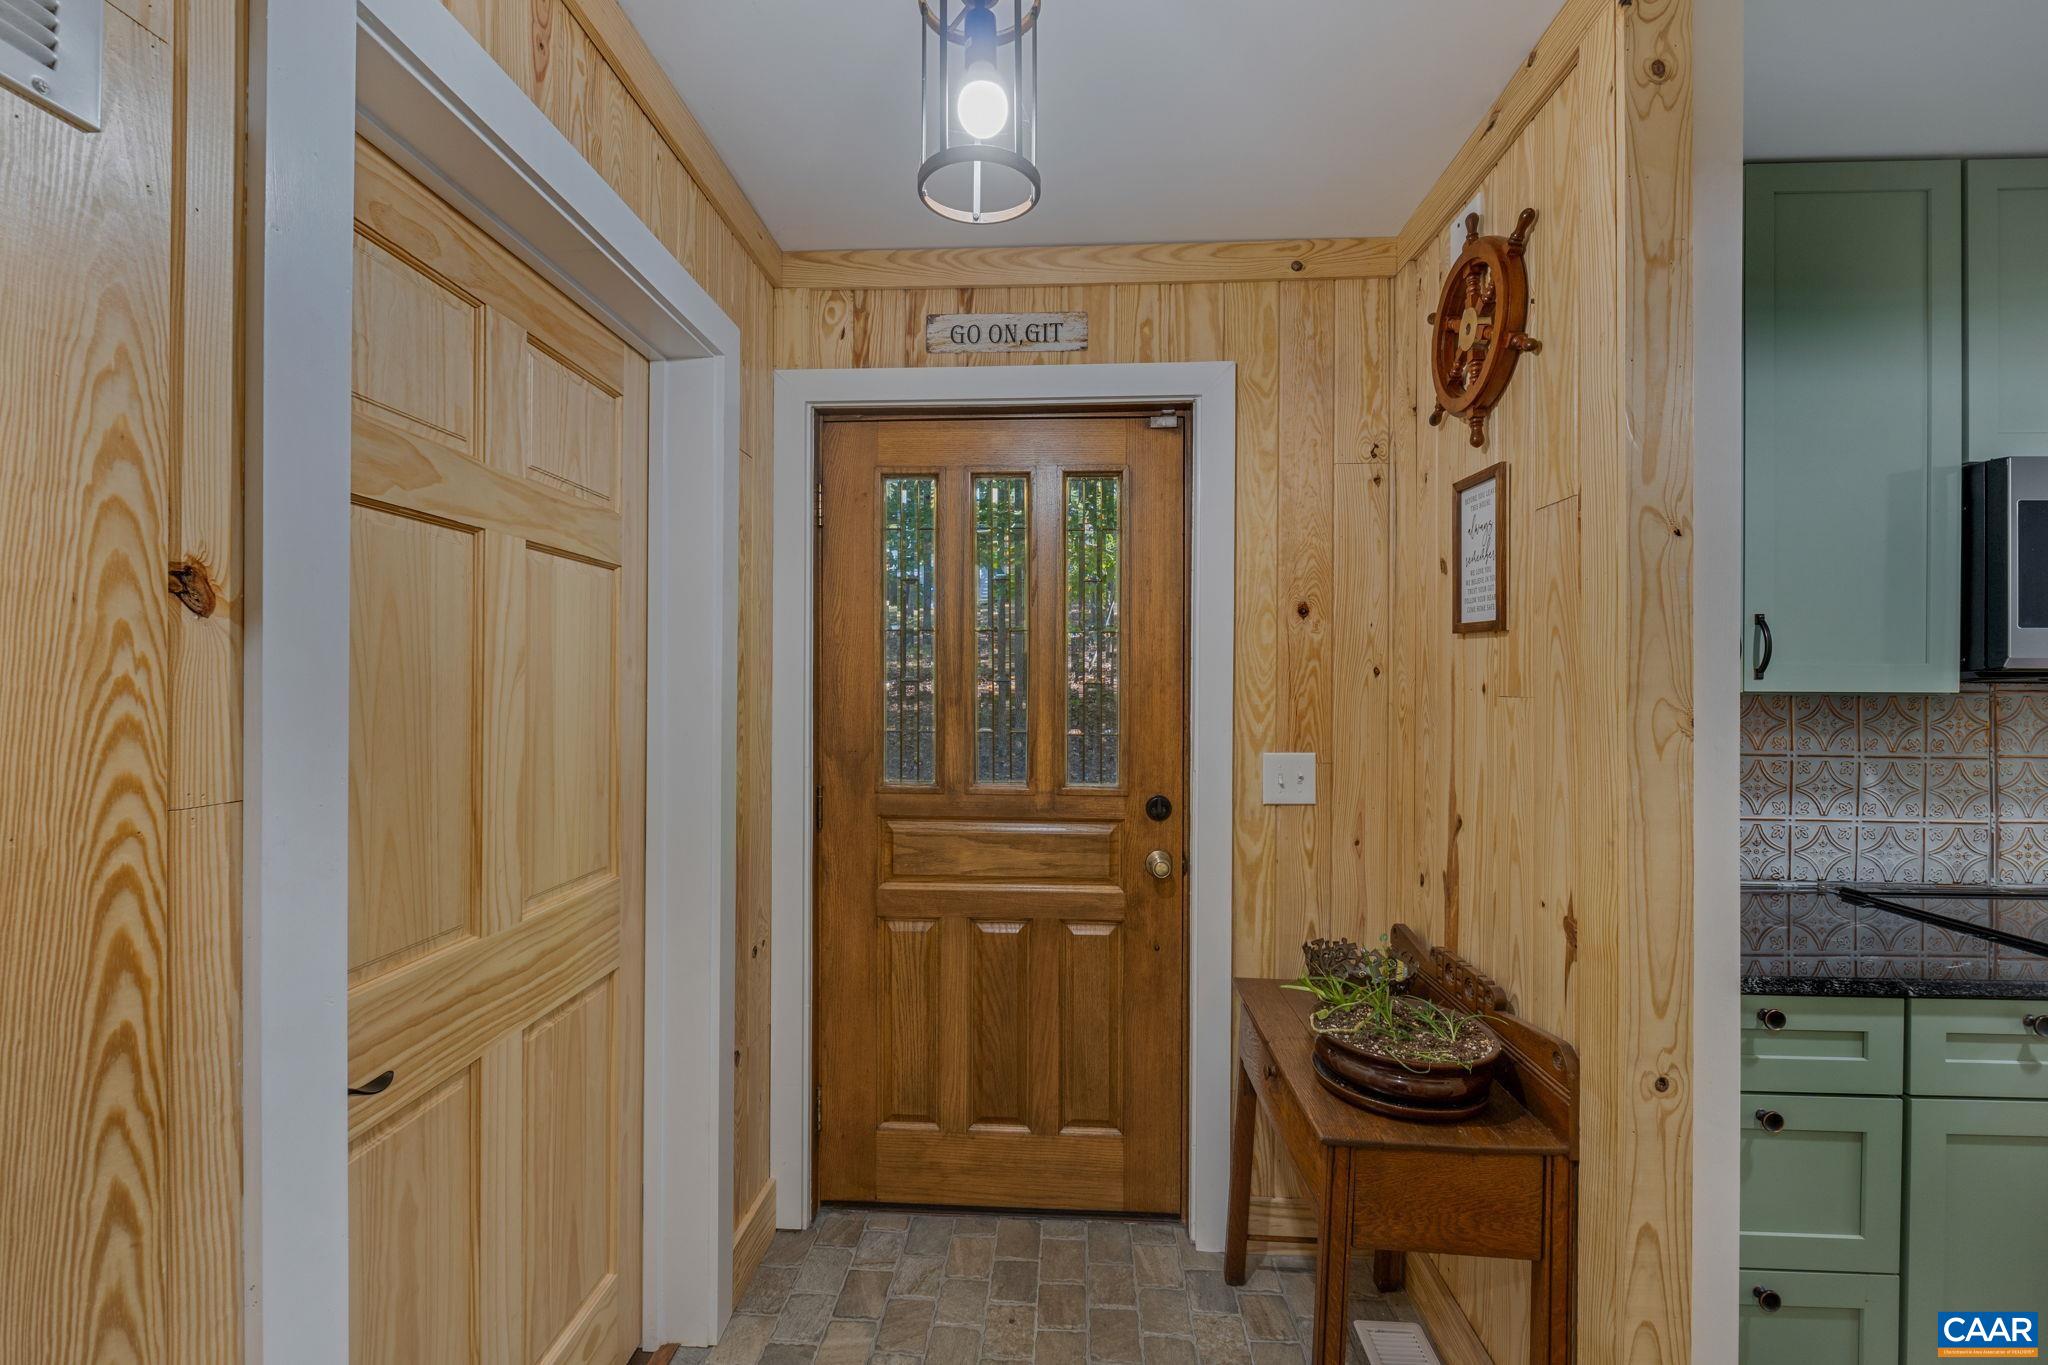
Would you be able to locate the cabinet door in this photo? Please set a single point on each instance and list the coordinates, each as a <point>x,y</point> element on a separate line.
<point>1820,1045</point>
<point>1853,425</point>
<point>1979,1049</point>
<point>2008,217</point>
<point>1977,1213</point>
<point>1837,1319</point>
<point>1820,1182</point>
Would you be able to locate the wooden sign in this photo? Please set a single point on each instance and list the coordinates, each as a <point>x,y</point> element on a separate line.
<point>964,333</point>
<point>1479,537</point>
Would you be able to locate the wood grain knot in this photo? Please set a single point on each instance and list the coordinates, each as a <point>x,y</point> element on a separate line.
<point>192,584</point>
<point>1658,69</point>
<point>1301,610</point>
<point>1295,266</point>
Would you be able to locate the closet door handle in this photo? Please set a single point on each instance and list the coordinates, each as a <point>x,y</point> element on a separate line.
<point>1767,1299</point>
<point>1763,663</point>
<point>1770,1120</point>
<point>1772,1019</point>
<point>376,1085</point>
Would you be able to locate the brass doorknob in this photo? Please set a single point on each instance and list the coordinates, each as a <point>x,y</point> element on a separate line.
<point>1159,864</point>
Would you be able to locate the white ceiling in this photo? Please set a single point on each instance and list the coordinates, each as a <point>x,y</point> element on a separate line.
<point>1894,78</point>
<point>1203,120</point>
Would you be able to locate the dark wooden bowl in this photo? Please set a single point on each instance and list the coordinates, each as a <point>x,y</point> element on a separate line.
<point>1418,1087</point>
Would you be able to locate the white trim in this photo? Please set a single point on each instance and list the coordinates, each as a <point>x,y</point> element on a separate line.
<point>1211,388</point>
<point>1717,644</point>
<point>295,682</point>
<point>415,83</point>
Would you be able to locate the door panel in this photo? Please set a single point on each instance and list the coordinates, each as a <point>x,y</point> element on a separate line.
<point>496,801</point>
<point>412,1204</point>
<point>413,710</point>
<point>1977,1207</point>
<point>1853,424</point>
<point>1000,689</point>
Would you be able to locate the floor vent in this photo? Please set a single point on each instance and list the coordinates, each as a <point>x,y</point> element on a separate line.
<point>1395,1343</point>
<point>50,53</point>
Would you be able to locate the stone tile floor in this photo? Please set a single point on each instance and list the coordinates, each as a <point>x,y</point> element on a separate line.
<point>940,1288</point>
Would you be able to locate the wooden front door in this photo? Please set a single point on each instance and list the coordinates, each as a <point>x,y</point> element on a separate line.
<point>496,801</point>
<point>1000,977</point>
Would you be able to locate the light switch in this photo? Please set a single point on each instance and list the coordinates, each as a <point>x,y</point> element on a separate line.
<point>1290,779</point>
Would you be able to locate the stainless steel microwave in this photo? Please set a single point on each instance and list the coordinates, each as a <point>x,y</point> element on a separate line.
<point>2005,567</point>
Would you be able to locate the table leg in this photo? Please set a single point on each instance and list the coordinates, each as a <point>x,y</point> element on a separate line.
<point>1243,1124</point>
<point>1551,1286</point>
<point>1333,1260</point>
<point>1389,1271</point>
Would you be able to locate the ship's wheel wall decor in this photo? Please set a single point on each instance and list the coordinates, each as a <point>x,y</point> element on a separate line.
<point>1476,331</point>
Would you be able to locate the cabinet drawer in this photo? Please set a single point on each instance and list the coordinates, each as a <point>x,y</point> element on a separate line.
<point>1840,1319</point>
<point>1977,1210</point>
<point>1809,1045</point>
<point>1821,1190</point>
<point>1978,1049</point>
<point>1836,1318</point>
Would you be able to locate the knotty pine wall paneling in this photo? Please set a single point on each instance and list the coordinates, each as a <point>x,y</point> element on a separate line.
<point>1523,797</point>
<point>1313,511</point>
<point>1542,778</point>
<point>120,765</point>
<point>556,51</point>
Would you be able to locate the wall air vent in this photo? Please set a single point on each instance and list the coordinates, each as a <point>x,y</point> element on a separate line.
<point>50,53</point>
<point>1395,1343</point>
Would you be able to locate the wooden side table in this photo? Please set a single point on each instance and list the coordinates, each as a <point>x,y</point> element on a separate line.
<point>1503,1183</point>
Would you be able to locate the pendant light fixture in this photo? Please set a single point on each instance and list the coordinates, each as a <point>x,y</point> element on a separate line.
<point>979,109</point>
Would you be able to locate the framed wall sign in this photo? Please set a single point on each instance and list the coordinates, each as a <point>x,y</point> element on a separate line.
<point>1479,536</point>
<point>983,333</point>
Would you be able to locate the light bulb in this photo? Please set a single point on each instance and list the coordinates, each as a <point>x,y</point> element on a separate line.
<point>984,107</point>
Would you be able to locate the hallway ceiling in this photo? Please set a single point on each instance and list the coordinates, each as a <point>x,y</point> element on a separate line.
<point>1893,78</point>
<point>1206,120</point>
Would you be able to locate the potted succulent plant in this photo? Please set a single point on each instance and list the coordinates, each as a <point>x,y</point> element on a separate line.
<point>1382,1048</point>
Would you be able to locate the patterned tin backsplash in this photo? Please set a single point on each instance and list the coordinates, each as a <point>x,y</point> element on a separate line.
<point>1935,789</point>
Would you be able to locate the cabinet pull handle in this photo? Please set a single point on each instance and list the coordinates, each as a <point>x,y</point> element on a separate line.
<point>1770,1120</point>
<point>1766,1299</point>
<point>1763,630</point>
<point>376,1085</point>
<point>1771,1019</point>
<point>2036,1024</point>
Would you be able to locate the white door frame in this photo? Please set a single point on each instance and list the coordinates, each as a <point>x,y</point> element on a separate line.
<point>409,77</point>
<point>1210,388</point>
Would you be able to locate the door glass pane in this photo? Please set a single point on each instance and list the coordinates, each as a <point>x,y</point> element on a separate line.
<point>909,586</point>
<point>1002,604</point>
<point>1094,622</point>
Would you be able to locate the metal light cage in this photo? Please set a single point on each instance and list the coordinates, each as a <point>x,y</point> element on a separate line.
<point>943,143</point>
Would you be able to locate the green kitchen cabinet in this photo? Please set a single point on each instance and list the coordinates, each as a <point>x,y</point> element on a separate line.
<point>1804,1318</point>
<point>1823,1045</point>
<point>1820,1182</point>
<point>2007,212</point>
<point>1853,425</point>
<point>1981,1049</point>
<point>1976,1213</point>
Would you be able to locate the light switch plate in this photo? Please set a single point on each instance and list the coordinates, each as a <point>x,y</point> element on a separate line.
<point>1290,779</point>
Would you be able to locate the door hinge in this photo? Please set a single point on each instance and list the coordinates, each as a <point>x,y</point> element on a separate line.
<point>821,504</point>
<point>818,1112</point>
<point>818,809</point>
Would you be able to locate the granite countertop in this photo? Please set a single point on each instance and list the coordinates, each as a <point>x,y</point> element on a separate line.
<point>1813,941</point>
